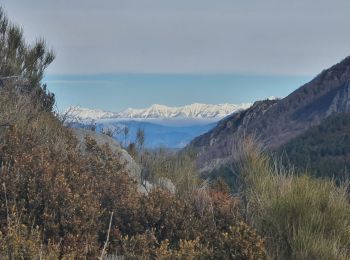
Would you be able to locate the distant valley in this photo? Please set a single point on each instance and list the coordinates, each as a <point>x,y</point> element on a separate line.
<point>166,127</point>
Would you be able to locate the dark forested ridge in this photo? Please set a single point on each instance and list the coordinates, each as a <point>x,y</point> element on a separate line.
<point>323,150</point>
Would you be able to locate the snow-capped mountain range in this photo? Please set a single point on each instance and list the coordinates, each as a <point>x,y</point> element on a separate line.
<point>193,111</point>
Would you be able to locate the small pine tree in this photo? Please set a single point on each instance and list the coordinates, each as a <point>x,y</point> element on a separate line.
<point>140,138</point>
<point>126,134</point>
<point>23,65</point>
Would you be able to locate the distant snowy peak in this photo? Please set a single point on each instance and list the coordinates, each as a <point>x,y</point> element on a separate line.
<point>196,110</point>
<point>86,113</point>
<point>190,111</point>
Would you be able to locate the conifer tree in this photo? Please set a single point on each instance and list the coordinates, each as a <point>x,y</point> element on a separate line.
<point>22,64</point>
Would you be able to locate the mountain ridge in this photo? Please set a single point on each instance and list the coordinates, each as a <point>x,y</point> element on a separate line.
<point>193,111</point>
<point>277,122</point>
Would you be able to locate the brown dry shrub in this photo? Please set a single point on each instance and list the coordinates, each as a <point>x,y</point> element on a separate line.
<point>56,202</point>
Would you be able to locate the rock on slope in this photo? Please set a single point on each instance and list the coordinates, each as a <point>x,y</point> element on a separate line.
<point>131,166</point>
<point>278,121</point>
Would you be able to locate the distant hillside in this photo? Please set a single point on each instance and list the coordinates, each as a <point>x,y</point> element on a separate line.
<point>324,150</point>
<point>169,127</point>
<point>279,121</point>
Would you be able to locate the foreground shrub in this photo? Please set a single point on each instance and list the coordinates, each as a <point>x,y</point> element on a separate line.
<point>239,242</point>
<point>178,229</point>
<point>304,218</point>
<point>59,202</point>
<point>56,201</point>
<point>51,185</point>
<point>18,243</point>
<point>180,169</point>
<point>147,247</point>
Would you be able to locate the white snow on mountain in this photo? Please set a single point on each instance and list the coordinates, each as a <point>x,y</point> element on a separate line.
<point>86,113</point>
<point>193,111</point>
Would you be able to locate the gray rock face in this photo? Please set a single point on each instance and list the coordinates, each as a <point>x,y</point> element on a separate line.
<point>166,184</point>
<point>277,122</point>
<point>145,187</point>
<point>131,166</point>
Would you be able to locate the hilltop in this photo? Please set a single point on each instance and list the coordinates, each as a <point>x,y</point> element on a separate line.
<point>275,122</point>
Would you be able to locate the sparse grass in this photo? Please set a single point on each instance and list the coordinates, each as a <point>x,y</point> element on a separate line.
<point>179,168</point>
<point>302,217</point>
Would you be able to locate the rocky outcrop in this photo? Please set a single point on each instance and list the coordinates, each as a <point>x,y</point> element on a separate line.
<point>131,167</point>
<point>166,184</point>
<point>277,122</point>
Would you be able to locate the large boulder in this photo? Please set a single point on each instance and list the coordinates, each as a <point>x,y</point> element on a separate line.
<point>131,167</point>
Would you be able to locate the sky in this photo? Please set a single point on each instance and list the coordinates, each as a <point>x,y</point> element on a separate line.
<point>115,92</point>
<point>114,54</point>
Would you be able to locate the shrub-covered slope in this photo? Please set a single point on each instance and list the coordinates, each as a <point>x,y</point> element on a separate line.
<point>59,201</point>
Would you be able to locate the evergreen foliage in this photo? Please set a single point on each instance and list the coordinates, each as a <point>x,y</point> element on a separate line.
<point>324,150</point>
<point>23,65</point>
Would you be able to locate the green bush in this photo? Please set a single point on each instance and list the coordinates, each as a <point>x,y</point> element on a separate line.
<point>302,217</point>
<point>179,168</point>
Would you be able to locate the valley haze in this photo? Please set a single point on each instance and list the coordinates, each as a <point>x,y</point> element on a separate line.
<point>167,127</point>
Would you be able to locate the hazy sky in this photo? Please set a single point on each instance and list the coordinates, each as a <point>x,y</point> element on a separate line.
<point>118,91</point>
<point>271,37</point>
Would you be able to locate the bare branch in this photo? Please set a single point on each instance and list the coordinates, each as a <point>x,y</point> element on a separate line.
<point>107,239</point>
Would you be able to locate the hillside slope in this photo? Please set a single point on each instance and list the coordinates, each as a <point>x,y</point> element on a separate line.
<point>323,150</point>
<point>277,122</point>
